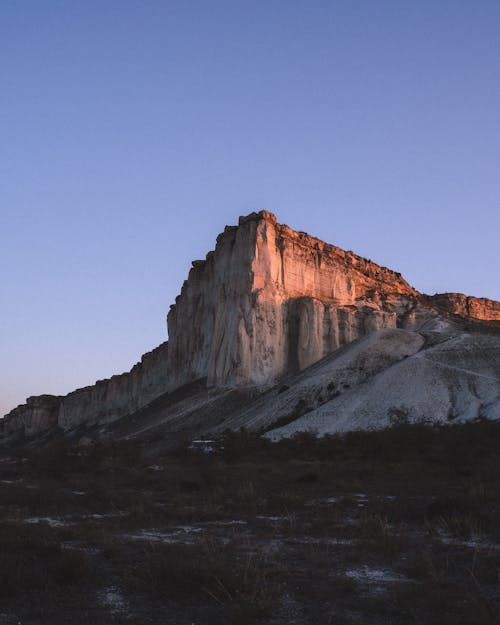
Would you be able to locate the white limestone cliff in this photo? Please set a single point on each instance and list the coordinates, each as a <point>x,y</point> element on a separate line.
<point>269,301</point>
<point>266,303</point>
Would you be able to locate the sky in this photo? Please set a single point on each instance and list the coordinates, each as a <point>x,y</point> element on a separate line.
<point>132,132</point>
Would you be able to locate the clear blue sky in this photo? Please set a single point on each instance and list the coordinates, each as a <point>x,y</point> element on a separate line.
<point>132,132</point>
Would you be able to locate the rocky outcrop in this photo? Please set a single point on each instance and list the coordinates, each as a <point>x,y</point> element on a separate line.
<point>478,308</point>
<point>266,303</point>
<point>104,401</point>
<point>120,395</point>
<point>36,415</point>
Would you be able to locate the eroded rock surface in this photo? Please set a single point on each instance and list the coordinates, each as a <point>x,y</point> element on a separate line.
<point>270,300</point>
<point>37,414</point>
<point>267,303</point>
<point>479,308</point>
<point>104,401</point>
<point>120,395</point>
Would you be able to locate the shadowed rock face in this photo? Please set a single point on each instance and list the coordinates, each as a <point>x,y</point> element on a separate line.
<point>110,399</point>
<point>266,303</point>
<point>103,402</point>
<point>37,414</point>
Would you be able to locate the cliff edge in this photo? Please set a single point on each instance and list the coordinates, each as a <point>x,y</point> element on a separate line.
<point>267,303</point>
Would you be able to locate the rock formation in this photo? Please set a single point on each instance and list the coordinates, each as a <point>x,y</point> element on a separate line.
<point>105,401</point>
<point>389,376</point>
<point>479,308</point>
<point>268,302</point>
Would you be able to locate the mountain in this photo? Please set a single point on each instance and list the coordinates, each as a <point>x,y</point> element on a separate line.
<point>276,330</point>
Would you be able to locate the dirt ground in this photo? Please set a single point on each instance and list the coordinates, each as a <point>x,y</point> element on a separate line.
<point>378,528</point>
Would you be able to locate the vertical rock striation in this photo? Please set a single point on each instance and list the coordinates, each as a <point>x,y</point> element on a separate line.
<point>104,401</point>
<point>268,301</point>
<point>36,415</point>
<point>118,396</point>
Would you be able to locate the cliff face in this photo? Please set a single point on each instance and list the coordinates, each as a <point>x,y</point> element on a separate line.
<point>479,308</point>
<point>37,414</point>
<point>204,323</point>
<point>267,302</point>
<point>106,400</point>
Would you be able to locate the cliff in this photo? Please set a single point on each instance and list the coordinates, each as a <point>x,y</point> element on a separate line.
<point>266,303</point>
<point>105,401</point>
<point>479,308</point>
<point>270,300</point>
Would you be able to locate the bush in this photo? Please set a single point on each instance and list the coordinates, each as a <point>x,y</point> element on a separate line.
<point>243,587</point>
<point>32,561</point>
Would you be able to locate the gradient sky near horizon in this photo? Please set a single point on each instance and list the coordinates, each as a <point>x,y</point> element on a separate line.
<point>132,132</point>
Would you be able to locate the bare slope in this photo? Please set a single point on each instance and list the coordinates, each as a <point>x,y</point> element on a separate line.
<point>390,376</point>
<point>456,380</point>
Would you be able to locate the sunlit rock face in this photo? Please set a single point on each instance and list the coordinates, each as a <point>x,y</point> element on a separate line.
<point>266,303</point>
<point>205,323</point>
<point>479,308</point>
<point>270,301</point>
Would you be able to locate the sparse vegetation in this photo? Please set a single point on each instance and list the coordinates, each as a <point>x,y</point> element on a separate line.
<point>398,526</point>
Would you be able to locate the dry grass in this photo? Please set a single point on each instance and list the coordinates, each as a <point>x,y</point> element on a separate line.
<point>261,533</point>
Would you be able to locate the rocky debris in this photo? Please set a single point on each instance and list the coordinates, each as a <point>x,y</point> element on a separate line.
<point>267,303</point>
<point>454,381</point>
<point>332,377</point>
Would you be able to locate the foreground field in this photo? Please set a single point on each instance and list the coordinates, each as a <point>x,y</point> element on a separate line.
<point>397,527</point>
